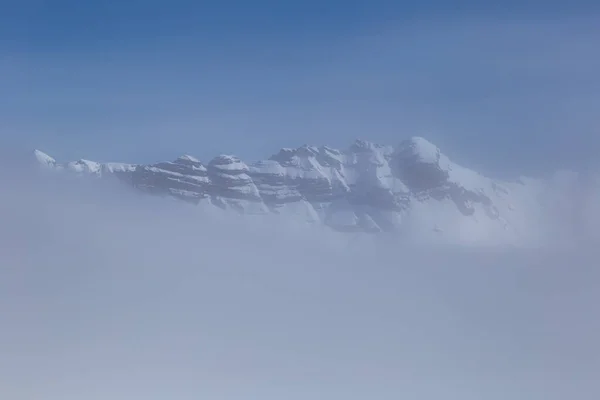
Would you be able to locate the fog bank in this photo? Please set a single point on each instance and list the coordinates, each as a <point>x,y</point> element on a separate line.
<point>109,294</point>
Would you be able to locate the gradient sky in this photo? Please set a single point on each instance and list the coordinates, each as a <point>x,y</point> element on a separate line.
<point>500,87</point>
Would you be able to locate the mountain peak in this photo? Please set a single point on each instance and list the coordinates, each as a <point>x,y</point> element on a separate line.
<point>227,162</point>
<point>420,150</point>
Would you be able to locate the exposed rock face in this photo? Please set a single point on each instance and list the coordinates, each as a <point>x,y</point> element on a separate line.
<point>421,165</point>
<point>232,187</point>
<point>427,172</point>
<point>185,178</point>
<point>411,188</point>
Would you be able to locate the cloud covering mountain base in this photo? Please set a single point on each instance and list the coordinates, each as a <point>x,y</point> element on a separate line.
<point>110,294</point>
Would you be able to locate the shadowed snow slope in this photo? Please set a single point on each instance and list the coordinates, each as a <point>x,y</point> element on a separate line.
<point>106,293</point>
<point>413,191</point>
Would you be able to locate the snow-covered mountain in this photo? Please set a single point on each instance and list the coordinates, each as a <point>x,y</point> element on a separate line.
<point>413,190</point>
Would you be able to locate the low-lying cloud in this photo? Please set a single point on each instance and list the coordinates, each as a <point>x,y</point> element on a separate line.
<point>108,294</point>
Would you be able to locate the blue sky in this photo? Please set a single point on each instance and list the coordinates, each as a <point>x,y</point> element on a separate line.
<point>501,87</point>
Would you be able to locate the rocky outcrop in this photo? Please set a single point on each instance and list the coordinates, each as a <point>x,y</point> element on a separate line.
<point>429,173</point>
<point>185,178</point>
<point>232,187</point>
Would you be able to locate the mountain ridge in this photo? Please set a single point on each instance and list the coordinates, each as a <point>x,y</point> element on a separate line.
<point>412,189</point>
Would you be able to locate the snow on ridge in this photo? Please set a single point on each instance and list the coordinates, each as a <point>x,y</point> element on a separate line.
<point>44,159</point>
<point>85,166</point>
<point>178,175</point>
<point>119,167</point>
<point>363,159</point>
<point>270,167</point>
<point>187,157</point>
<point>467,178</point>
<point>229,163</point>
<point>422,149</point>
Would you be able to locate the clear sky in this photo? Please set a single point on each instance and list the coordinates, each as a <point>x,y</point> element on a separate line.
<point>500,86</point>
